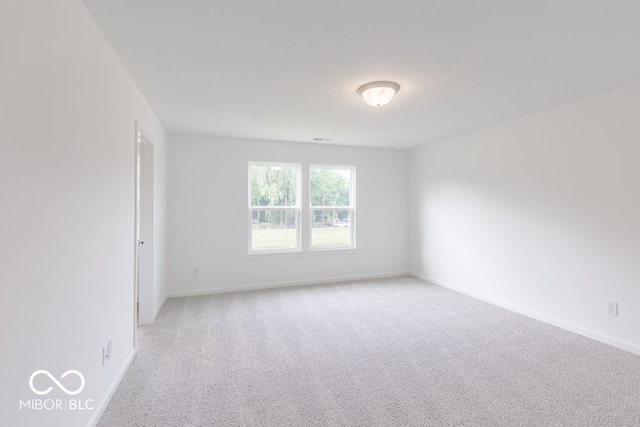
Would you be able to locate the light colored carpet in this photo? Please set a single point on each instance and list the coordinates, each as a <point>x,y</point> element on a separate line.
<point>368,353</point>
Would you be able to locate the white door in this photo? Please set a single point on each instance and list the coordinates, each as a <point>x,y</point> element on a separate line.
<point>144,230</point>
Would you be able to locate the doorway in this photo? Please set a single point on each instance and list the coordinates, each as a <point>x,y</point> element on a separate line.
<point>143,230</point>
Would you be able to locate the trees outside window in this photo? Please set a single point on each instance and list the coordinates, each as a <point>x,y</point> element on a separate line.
<point>332,206</point>
<point>274,206</point>
<point>275,209</point>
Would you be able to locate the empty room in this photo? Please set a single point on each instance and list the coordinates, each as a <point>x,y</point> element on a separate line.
<point>335,213</point>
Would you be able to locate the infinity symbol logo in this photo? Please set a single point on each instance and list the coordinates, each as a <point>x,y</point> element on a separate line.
<point>60,386</point>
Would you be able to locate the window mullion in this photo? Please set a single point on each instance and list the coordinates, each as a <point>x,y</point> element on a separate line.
<point>330,208</point>
<point>305,214</point>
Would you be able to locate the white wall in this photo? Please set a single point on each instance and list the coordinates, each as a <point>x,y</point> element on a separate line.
<point>208,214</point>
<point>540,214</point>
<point>67,113</point>
<point>160,173</point>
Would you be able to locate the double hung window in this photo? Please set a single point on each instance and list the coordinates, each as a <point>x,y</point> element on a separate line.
<point>331,194</point>
<point>274,207</point>
<point>279,220</point>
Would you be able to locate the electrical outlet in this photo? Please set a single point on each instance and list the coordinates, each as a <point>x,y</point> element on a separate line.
<point>612,308</point>
<point>196,271</point>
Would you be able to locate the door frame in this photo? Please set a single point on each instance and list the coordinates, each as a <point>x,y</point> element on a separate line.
<point>142,292</point>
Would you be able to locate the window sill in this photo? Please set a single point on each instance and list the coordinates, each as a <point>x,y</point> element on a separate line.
<point>309,252</point>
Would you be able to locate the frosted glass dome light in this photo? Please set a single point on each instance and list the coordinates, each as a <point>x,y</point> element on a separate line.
<point>378,94</point>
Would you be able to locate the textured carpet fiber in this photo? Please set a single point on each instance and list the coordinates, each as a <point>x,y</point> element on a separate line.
<point>368,353</point>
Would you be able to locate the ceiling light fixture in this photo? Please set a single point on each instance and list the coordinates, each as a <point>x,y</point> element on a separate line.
<point>378,94</point>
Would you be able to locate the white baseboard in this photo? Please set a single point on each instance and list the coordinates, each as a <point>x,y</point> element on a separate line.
<point>195,292</point>
<point>111,390</point>
<point>615,342</point>
<point>155,314</point>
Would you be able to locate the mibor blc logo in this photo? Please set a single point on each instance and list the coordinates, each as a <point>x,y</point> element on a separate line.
<point>56,404</point>
<point>60,386</point>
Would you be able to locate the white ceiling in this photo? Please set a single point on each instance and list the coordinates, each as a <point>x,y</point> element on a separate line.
<point>289,69</point>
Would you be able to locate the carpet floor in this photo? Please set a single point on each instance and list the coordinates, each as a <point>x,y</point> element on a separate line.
<point>390,352</point>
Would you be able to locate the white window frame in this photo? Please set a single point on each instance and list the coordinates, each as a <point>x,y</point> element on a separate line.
<point>351,208</point>
<point>303,213</point>
<point>297,208</point>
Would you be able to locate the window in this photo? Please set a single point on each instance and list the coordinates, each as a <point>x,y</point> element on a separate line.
<point>331,197</point>
<point>274,207</point>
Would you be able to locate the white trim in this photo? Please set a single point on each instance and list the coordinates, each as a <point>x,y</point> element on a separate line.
<point>327,250</point>
<point>273,253</point>
<point>607,339</point>
<point>155,314</point>
<point>97,414</point>
<point>273,208</point>
<point>144,291</point>
<point>331,167</point>
<point>283,284</point>
<point>136,213</point>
